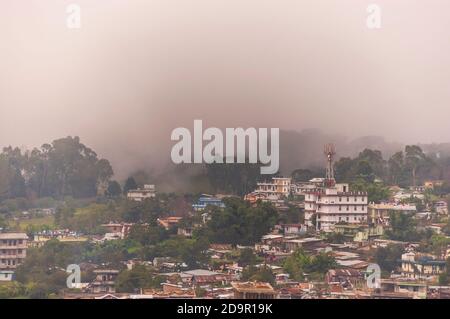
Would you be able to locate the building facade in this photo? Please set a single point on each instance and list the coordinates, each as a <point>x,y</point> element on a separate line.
<point>334,204</point>
<point>13,250</point>
<point>140,194</point>
<point>279,186</point>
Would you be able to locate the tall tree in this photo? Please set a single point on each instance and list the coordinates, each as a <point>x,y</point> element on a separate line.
<point>130,184</point>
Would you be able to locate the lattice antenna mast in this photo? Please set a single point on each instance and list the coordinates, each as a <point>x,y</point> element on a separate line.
<point>329,152</point>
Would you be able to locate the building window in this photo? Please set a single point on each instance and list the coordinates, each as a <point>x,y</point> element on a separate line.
<point>348,199</point>
<point>355,207</point>
<point>348,207</point>
<point>340,198</point>
<point>340,207</point>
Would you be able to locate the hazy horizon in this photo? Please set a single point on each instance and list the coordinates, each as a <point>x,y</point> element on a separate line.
<point>138,69</point>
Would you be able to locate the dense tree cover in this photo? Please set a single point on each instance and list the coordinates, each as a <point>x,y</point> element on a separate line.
<point>138,277</point>
<point>404,168</point>
<point>260,274</point>
<point>301,263</point>
<point>87,220</point>
<point>368,165</point>
<point>113,189</point>
<point>87,217</point>
<point>148,234</point>
<point>193,252</point>
<point>404,228</point>
<point>246,257</point>
<point>293,215</point>
<point>435,244</point>
<point>66,167</point>
<point>239,223</point>
<point>304,175</point>
<point>130,184</point>
<point>376,192</point>
<point>388,258</point>
<point>444,278</point>
<point>43,271</point>
<point>238,178</point>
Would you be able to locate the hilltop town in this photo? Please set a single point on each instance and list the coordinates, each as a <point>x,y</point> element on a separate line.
<point>302,236</point>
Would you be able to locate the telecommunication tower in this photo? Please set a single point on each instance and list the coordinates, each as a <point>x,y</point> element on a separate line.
<point>329,152</point>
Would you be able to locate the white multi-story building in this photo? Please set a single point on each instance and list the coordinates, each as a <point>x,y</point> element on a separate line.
<point>140,194</point>
<point>332,204</point>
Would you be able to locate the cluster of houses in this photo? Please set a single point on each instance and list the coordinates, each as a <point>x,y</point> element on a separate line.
<point>329,208</point>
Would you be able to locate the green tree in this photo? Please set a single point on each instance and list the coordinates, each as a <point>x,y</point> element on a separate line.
<point>114,189</point>
<point>414,159</point>
<point>246,257</point>
<point>138,277</point>
<point>388,257</point>
<point>130,184</point>
<point>259,274</point>
<point>240,223</point>
<point>300,263</point>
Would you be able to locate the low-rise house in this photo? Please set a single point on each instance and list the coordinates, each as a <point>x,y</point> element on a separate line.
<point>380,213</point>
<point>169,291</point>
<point>104,281</point>
<point>253,290</point>
<point>431,184</point>
<point>385,242</point>
<point>62,235</point>
<point>207,200</point>
<point>347,278</point>
<point>141,194</point>
<point>441,207</point>
<point>309,243</point>
<point>169,222</point>
<point>294,229</point>
<point>401,289</point>
<point>120,230</point>
<point>185,231</point>
<point>206,277</point>
<point>418,266</point>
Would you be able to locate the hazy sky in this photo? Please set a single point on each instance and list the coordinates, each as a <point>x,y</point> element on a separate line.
<point>137,69</point>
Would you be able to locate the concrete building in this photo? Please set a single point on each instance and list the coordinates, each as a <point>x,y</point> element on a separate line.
<point>279,187</point>
<point>104,281</point>
<point>379,213</point>
<point>335,204</point>
<point>415,266</point>
<point>13,250</point>
<point>140,194</point>
<point>121,230</point>
<point>294,229</point>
